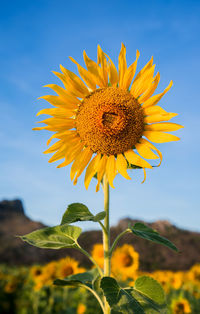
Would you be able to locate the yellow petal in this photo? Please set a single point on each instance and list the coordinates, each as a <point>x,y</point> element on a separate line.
<point>155,99</point>
<point>79,162</point>
<point>53,147</point>
<point>101,170</point>
<point>151,146</point>
<point>160,137</point>
<point>122,64</point>
<point>102,61</point>
<point>111,170</point>
<point>58,101</point>
<point>140,75</point>
<point>145,175</point>
<point>159,117</point>
<point>149,92</point>
<point>59,154</point>
<point>145,151</point>
<point>63,93</point>
<point>57,112</point>
<point>136,160</point>
<point>112,72</point>
<point>130,72</point>
<point>75,85</point>
<point>84,161</point>
<point>154,110</point>
<point>93,68</point>
<point>86,76</point>
<point>71,154</point>
<point>121,165</point>
<point>91,170</point>
<point>142,83</point>
<point>164,127</point>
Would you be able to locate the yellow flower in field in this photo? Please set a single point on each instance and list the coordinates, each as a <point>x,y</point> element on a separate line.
<point>98,254</point>
<point>35,271</point>
<point>194,273</point>
<point>100,121</point>
<point>67,267</point>
<point>180,306</point>
<point>125,262</point>
<point>81,308</point>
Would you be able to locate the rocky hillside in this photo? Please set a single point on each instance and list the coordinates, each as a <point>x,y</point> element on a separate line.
<point>13,251</point>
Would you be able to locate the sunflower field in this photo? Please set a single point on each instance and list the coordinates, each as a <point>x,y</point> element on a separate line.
<point>30,290</point>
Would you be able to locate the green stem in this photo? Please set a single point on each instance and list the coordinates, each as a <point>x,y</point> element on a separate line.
<point>117,239</point>
<point>106,236</point>
<point>96,296</point>
<point>91,258</point>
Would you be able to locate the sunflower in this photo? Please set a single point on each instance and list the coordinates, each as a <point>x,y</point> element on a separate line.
<point>98,254</point>
<point>181,306</point>
<point>81,309</point>
<point>102,122</point>
<point>125,262</point>
<point>67,267</point>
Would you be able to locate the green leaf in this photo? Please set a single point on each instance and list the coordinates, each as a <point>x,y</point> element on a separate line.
<point>85,278</point>
<point>58,237</point>
<point>80,212</point>
<point>150,234</point>
<point>150,288</point>
<point>119,299</point>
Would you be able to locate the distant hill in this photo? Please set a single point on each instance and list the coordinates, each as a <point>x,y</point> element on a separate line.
<point>13,251</point>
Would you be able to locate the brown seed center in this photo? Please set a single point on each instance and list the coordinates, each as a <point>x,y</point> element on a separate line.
<point>110,121</point>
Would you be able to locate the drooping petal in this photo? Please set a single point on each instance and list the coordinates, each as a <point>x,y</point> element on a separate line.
<point>79,163</point>
<point>155,99</point>
<point>130,72</point>
<point>84,162</point>
<point>145,151</point>
<point>151,146</point>
<point>71,154</point>
<point>121,165</point>
<point>164,127</point>
<point>150,91</point>
<point>145,175</point>
<point>122,65</point>
<point>136,160</point>
<point>111,170</point>
<point>160,137</point>
<point>91,170</point>
<point>86,75</point>
<point>101,170</point>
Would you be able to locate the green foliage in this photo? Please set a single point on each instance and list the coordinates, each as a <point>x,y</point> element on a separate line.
<point>80,212</point>
<point>119,299</point>
<point>150,234</point>
<point>147,296</point>
<point>58,237</point>
<point>85,278</point>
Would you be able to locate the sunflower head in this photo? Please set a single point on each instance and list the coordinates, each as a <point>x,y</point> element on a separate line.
<point>67,267</point>
<point>98,254</point>
<point>181,306</point>
<point>105,120</point>
<point>125,262</point>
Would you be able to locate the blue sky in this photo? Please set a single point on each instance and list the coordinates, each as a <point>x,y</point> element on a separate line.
<point>37,36</point>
